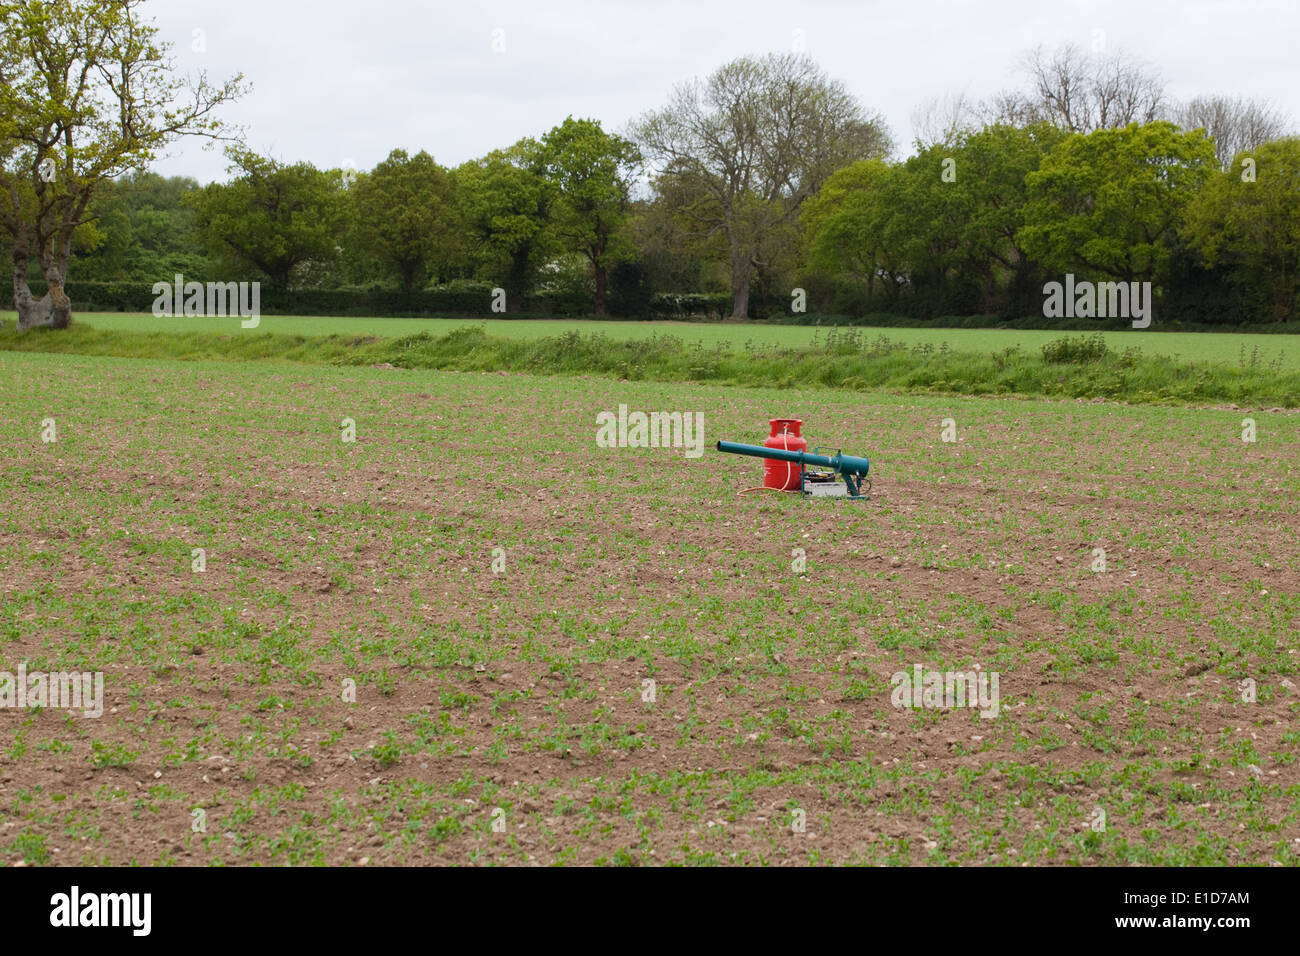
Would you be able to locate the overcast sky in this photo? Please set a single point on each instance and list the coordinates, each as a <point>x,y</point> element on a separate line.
<point>338,81</point>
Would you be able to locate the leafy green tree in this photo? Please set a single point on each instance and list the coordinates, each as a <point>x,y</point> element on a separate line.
<point>902,224</point>
<point>971,204</point>
<point>406,219</point>
<point>743,149</point>
<point>277,219</point>
<point>942,225</point>
<point>1109,203</point>
<point>1252,226</point>
<point>87,93</point>
<point>504,201</point>
<point>844,225</point>
<point>101,248</point>
<point>148,233</point>
<point>592,170</point>
<point>673,256</point>
<point>923,224</point>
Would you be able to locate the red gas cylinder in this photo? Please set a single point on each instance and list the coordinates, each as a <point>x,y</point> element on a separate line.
<point>785,435</point>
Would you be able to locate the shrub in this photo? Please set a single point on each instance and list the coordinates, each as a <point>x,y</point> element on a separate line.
<point>1075,351</point>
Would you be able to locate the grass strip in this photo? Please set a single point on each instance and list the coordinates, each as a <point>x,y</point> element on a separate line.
<point>849,358</point>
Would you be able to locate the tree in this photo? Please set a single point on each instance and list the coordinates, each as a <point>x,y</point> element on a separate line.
<point>990,194</point>
<point>504,201</point>
<point>942,225</point>
<point>1236,124</point>
<point>86,94</point>
<point>674,256</point>
<point>844,226</point>
<point>1253,226</point>
<point>100,248</point>
<point>745,147</point>
<point>272,217</point>
<point>164,237</point>
<point>1080,93</point>
<point>405,218</point>
<point>1110,202</point>
<point>943,120</point>
<point>147,233</point>
<point>592,170</point>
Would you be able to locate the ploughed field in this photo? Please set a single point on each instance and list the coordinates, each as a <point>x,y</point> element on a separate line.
<point>474,636</point>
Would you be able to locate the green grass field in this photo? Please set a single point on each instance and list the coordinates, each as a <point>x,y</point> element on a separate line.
<point>1224,347</point>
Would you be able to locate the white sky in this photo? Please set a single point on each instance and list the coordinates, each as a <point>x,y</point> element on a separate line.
<point>348,80</point>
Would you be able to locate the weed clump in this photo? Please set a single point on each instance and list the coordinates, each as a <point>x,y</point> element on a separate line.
<point>1079,350</point>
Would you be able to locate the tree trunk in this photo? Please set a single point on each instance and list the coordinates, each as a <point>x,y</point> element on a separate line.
<point>32,312</point>
<point>412,276</point>
<point>602,285</point>
<point>742,270</point>
<point>54,309</point>
<point>60,304</point>
<point>740,297</point>
<point>517,283</point>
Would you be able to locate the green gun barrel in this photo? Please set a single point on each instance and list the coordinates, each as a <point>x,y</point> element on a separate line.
<point>848,467</point>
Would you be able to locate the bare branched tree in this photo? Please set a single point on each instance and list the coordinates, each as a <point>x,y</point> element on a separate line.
<point>1009,108</point>
<point>1234,123</point>
<point>740,151</point>
<point>1079,92</point>
<point>943,120</point>
<point>1082,93</point>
